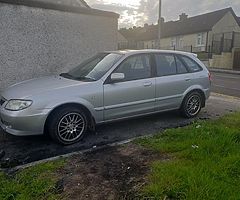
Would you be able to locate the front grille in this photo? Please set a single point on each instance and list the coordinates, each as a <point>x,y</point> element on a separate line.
<point>2,101</point>
<point>5,123</point>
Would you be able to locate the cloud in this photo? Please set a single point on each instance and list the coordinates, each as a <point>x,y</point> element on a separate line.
<point>196,7</point>
<point>139,12</point>
<point>128,13</point>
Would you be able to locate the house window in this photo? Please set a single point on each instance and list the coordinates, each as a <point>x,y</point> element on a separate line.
<point>177,42</point>
<point>173,42</point>
<point>200,39</point>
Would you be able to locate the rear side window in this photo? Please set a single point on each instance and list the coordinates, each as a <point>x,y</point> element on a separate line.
<point>166,64</point>
<point>191,64</point>
<point>181,68</point>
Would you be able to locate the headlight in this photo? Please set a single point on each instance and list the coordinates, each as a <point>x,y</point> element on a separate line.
<point>16,105</point>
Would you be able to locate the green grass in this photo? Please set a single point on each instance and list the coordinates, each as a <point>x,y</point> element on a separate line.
<point>204,164</point>
<point>37,182</point>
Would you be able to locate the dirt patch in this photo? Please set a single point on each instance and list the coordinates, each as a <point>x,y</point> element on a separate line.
<point>112,173</point>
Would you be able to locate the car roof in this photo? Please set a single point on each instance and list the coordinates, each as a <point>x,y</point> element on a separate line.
<point>134,52</point>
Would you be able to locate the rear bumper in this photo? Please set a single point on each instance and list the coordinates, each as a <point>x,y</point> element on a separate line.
<point>207,93</point>
<point>23,123</point>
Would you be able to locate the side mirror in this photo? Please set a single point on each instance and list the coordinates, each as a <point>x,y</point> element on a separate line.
<point>115,77</point>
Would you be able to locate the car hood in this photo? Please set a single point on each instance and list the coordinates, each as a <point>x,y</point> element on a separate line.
<point>28,88</point>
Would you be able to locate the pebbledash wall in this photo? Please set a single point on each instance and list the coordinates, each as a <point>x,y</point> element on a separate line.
<point>38,39</point>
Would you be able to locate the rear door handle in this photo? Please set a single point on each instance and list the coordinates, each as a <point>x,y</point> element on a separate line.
<point>147,84</point>
<point>188,79</point>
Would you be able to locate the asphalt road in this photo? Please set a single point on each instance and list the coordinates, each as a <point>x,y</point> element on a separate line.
<point>227,84</point>
<point>22,150</point>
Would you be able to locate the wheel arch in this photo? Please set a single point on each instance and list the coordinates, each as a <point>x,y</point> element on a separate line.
<point>200,91</point>
<point>89,115</point>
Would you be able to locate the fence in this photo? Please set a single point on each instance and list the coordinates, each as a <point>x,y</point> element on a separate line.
<point>203,52</point>
<point>223,42</point>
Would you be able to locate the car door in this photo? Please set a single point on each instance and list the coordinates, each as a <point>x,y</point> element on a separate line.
<point>135,94</point>
<point>173,79</point>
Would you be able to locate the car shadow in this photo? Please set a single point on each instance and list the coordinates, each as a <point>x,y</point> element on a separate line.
<point>34,148</point>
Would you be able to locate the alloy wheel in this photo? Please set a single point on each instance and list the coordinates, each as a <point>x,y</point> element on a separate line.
<point>71,127</point>
<point>193,105</point>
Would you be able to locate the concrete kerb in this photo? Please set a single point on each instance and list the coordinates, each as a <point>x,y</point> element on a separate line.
<point>93,149</point>
<point>224,96</point>
<point>224,71</point>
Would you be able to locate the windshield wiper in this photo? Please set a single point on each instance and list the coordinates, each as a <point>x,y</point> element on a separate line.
<point>66,75</point>
<point>91,78</point>
<point>85,78</point>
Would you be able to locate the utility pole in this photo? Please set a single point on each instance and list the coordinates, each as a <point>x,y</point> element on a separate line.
<point>159,24</point>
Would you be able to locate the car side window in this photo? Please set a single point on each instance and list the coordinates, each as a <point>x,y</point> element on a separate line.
<point>135,67</point>
<point>191,64</point>
<point>181,68</point>
<point>166,64</point>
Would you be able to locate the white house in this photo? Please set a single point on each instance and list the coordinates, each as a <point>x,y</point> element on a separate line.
<point>196,33</point>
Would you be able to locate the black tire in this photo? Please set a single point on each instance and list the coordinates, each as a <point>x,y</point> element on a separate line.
<point>65,117</point>
<point>188,102</point>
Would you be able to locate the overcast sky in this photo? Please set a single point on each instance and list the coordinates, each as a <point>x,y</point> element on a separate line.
<point>138,12</point>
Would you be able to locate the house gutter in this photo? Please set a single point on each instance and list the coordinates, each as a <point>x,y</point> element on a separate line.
<point>61,7</point>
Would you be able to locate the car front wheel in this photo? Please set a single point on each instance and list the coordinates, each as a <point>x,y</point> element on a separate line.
<point>67,125</point>
<point>192,105</point>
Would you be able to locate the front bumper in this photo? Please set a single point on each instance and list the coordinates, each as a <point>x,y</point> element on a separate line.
<point>23,123</point>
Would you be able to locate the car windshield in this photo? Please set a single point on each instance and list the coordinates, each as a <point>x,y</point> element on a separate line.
<point>94,68</point>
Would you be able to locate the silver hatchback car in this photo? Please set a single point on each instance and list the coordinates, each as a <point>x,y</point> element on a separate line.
<point>107,87</point>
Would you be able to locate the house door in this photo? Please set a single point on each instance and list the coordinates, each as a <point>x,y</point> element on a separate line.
<point>179,42</point>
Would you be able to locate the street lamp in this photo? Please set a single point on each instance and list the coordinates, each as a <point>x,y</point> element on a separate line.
<point>159,24</point>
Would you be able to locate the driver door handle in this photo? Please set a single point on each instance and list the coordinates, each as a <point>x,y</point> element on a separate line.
<point>147,84</point>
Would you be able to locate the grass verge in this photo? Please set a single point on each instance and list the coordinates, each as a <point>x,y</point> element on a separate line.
<point>37,182</point>
<point>205,161</point>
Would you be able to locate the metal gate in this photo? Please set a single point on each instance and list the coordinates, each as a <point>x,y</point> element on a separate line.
<point>236,60</point>
<point>222,42</point>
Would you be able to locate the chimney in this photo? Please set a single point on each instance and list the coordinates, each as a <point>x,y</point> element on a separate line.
<point>183,17</point>
<point>145,28</point>
<point>162,20</point>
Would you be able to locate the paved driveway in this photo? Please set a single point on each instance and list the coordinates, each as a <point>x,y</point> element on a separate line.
<point>28,149</point>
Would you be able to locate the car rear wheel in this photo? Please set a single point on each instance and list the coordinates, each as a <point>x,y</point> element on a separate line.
<point>192,105</point>
<point>68,125</point>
